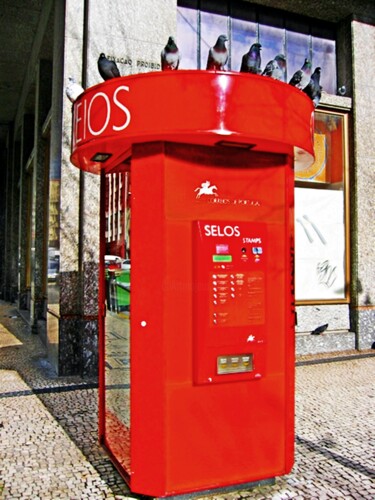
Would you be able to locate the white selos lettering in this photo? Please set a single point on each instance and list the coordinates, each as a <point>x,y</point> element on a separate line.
<point>221,231</point>
<point>86,114</point>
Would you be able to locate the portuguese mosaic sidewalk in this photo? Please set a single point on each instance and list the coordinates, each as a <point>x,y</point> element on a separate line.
<point>48,430</point>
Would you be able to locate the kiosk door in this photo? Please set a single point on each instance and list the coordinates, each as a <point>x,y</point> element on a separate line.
<point>115,331</point>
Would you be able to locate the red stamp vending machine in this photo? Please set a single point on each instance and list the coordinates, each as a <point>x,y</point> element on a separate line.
<point>197,368</point>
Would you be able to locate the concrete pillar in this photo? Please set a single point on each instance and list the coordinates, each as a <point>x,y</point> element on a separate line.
<point>27,143</point>
<point>8,217</point>
<point>39,198</point>
<point>68,46</point>
<point>12,263</point>
<point>3,171</point>
<point>362,185</point>
<point>11,220</point>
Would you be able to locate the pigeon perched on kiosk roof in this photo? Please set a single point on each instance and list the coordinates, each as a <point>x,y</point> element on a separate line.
<point>218,55</point>
<point>276,68</point>
<point>73,90</point>
<point>107,69</point>
<point>313,89</point>
<point>170,55</point>
<point>302,76</point>
<point>251,61</point>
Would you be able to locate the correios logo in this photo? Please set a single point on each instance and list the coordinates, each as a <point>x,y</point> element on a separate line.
<point>207,193</point>
<point>206,189</point>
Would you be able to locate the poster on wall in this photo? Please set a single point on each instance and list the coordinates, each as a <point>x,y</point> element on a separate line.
<point>320,244</point>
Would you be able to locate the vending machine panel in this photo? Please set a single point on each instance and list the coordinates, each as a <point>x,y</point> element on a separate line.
<point>230,300</point>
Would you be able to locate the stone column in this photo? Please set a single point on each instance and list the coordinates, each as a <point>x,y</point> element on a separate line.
<point>12,263</point>
<point>39,189</point>
<point>68,46</point>
<point>9,181</point>
<point>89,245</point>
<point>27,142</point>
<point>3,172</point>
<point>362,181</point>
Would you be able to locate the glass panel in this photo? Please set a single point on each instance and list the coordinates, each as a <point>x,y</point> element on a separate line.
<point>212,26</point>
<point>328,166</point>
<point>29,196</point>
<point>187,37</point>
<point>198,30</point>
<point>271,37</point>
<point>244,34</point>
<point>53,265</point>
<point>53,262</point>
<point>320,230</point>
<point>272,41</point>
<point>117,319</point>
<point>298,49</point>
<point>324,55</point>
<point>320,244</point>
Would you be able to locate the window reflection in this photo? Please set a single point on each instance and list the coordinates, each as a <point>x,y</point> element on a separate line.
<point>272,41</point>
<point>212,25</point>
<point>244,34</point>
<point>117,318</point>
<point>324,55</point>
<point>298,49</point>
<point>187,36</point>
<point>246,24</point>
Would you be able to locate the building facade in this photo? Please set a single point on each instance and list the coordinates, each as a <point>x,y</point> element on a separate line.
<point>49,210</point>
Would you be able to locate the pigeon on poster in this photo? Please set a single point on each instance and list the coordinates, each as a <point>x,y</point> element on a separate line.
<point>252,60</point>
<point>73,89</point>
<point>107,69</point>
<point>276,68</point>
<point>301,77</point>
<point>319,329</point>
<point>313,89</point>
<point>170,56</point>
<point>218,55</point>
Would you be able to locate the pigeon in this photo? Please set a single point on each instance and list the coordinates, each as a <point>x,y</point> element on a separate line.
<point>301,77</point>
<point>218,55</point>
<point>276,68</point>
<point>314,89</point>
<point>251,60</point>
<point>320,329</point>
<point>170,55</point>
<point>73,90</point>
<point>107,69</point>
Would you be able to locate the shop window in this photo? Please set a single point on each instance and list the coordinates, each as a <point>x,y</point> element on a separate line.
<point>200,23</point>
<point>321,222</point>
<point>187,36</point>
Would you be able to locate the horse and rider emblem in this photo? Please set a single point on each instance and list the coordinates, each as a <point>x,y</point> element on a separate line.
<point>206,188</point>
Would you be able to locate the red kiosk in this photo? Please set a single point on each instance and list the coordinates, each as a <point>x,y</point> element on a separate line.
<point>197,379</point>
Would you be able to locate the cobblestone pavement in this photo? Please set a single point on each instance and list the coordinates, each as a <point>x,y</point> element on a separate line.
<point>48,430</point>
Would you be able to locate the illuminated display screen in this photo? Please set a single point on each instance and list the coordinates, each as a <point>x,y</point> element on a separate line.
<point>222,258</point>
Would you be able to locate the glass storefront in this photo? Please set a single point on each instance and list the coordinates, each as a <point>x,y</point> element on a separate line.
<point>321,215</point>
<point>297,38</point>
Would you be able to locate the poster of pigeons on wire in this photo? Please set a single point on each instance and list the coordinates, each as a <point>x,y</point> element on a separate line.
<point>320,245</point>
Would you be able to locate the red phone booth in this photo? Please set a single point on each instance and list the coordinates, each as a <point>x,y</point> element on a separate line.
<point>197,374</point>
